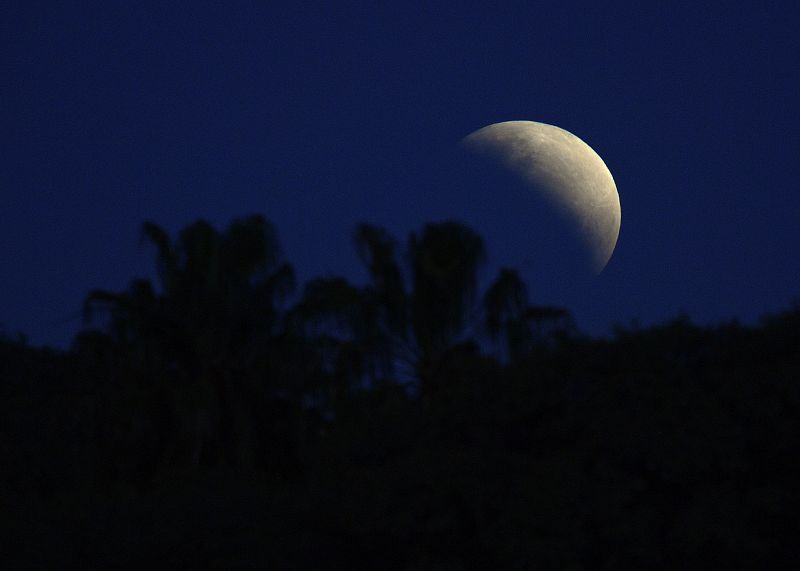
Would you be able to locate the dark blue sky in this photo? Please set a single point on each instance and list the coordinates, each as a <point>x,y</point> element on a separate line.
<point>320,117</point>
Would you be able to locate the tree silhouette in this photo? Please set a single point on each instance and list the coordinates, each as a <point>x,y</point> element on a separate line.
<point>418,322</point>
<point>204,333</point>
<point>230,432</point>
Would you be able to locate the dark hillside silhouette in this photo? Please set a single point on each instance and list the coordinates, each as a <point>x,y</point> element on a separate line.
<point>216,420</point>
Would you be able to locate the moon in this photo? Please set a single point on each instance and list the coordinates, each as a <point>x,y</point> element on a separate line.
<point>566,171</point>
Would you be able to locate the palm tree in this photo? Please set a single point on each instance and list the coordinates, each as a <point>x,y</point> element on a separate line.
<point>417,323</point>
<point>207,329</point>
<point>516,325</point>
<point>444,259</point>
<point>504,303</point>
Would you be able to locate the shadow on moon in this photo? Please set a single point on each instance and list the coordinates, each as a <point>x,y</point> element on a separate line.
<point>523,228</point>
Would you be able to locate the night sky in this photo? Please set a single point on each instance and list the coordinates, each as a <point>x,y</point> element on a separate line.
<point>320,117</point>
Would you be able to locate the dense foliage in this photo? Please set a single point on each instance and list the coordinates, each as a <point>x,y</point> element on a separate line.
<point>217,420</point>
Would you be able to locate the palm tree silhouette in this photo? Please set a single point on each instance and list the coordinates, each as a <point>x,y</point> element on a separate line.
<point>209,326</point>
<point>415,324</point>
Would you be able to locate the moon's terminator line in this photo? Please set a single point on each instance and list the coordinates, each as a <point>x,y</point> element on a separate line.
<point>566,170</point>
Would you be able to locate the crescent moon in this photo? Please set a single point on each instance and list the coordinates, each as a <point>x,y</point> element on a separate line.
<point>566,170</point>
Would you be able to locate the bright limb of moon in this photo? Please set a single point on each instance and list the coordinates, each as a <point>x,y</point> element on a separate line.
<point>566,170</point>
